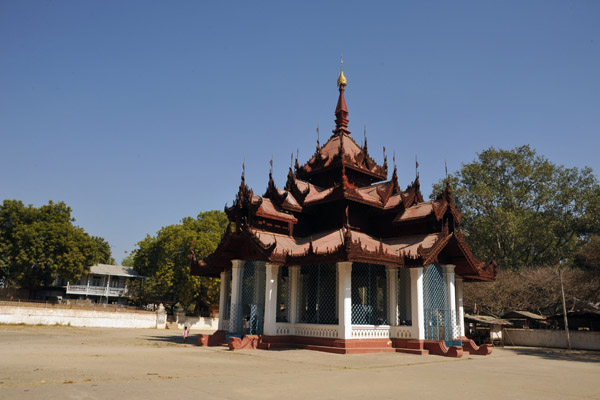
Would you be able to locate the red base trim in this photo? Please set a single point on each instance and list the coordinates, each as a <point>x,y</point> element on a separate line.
<point>216,339</point>
<point>472,348</point>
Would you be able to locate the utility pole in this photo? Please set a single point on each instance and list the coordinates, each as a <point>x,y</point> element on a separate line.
<point>562,291</point>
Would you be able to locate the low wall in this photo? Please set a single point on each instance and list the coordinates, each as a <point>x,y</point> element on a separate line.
<point>581,340</point>
<point>76,317</point>
<point>197,323</point>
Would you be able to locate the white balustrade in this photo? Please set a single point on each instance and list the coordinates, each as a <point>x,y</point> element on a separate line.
<point>370,332</point>
<point>312,330</point>
<point>401,332</point>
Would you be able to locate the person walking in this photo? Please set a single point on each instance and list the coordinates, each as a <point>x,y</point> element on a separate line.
<point>186,332</point>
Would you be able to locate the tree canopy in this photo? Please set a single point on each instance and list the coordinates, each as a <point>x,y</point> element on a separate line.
<point>524,210</point>
<point>38,244</point>
<point>164,259</point>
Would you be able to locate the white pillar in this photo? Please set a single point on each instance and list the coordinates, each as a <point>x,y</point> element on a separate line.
<point>222,298</point>
<point>449,278</point>
<point>237,268</point>
<point>459,305</point>
<point>345,299</point>
<point>271,299</point>
<point>294,271</point>
<point>416,301</point>
<point>392,280</point>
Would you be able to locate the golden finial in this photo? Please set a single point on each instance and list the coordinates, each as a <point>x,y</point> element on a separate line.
<point>342,79</point>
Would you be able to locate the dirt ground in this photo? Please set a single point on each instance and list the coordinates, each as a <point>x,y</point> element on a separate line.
<point>38,362</point>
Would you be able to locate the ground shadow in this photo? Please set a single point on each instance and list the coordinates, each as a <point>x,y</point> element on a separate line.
<point>557,354</point>
<point>177,339</point>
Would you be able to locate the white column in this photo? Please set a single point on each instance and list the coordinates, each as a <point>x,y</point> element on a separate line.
<point>449,278</point>
<point>271,299</point>
<point>416,301</point>
<point>294,271</point>
<point>222,298</point>
<point>345,299</point>
<point>237,268</point>
<point>392,280</point>
<point>459,305</point>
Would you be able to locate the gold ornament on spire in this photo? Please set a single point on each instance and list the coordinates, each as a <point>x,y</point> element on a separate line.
<point>342,79</point>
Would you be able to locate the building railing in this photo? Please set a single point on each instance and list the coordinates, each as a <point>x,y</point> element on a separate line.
<point>313,330</point>
<point>96,290</point>
<point>370,332</point>
<point>401,332</point>
<point>73,304</point>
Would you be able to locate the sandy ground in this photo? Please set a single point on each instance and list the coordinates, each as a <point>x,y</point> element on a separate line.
<point>38,362</point>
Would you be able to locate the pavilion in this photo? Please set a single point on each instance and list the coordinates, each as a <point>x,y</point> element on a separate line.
<point>343,260</point>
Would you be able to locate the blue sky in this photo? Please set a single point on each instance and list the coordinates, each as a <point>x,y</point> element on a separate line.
<point>140,113</point>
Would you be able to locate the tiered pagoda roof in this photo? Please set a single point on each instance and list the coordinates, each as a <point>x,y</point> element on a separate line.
<point>339,206</point>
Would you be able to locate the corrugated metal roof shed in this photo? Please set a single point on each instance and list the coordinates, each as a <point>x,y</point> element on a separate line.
<point>486,319</point>
<point>526,314</point>
<point>114,270</point>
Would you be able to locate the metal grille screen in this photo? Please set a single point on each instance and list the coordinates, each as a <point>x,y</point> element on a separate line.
<point>404,297</point>
<point>249,313</point>
<point>317,302</point>
<point>283,295</point>
<point>369,294</point>
<point>227,309</point>
<point>440,321</point>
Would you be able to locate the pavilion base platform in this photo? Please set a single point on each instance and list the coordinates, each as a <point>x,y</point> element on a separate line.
<point>470,347</point>
<point>216,339</point>
<point>361,346</point>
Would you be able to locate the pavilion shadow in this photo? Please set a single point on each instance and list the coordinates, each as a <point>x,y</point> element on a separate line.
<point>557,354</point>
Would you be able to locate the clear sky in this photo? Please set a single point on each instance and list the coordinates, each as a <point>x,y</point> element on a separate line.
<point>140,113</point>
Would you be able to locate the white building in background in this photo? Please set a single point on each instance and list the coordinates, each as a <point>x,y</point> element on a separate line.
<point>103,284</point>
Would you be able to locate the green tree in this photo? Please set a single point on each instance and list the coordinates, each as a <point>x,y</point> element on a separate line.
<point>164,259</point>
<point>38,244</point>
<point>128,260</point>
<point>588,256</point>
<point>524,210</point>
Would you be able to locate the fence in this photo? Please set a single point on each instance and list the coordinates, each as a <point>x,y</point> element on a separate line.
<point>73,304</point>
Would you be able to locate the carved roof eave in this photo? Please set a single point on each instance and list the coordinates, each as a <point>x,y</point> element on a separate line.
<point>387,189</point>
<point>481,271</point>
<point>446,197</point>
<point>308,170</point>
<point>292,187</point>
<point>220,259</point>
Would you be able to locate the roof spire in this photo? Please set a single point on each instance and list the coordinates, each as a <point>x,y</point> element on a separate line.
<point>341,111</point>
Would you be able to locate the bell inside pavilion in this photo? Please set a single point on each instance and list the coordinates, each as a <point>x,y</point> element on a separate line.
<point>342,259</point>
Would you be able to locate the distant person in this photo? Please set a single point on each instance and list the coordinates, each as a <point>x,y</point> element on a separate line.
<point>186,332</point>
<point>247,325</point>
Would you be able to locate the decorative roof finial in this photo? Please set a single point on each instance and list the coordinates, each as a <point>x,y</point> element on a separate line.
<point>271,165</point>
<point>416,167</point>
<point>385,166</point>
<point>342,79</point>
<point>244,169</point>
<point>365,133</point>
<point>446,167</point>
<point>318,143</point>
